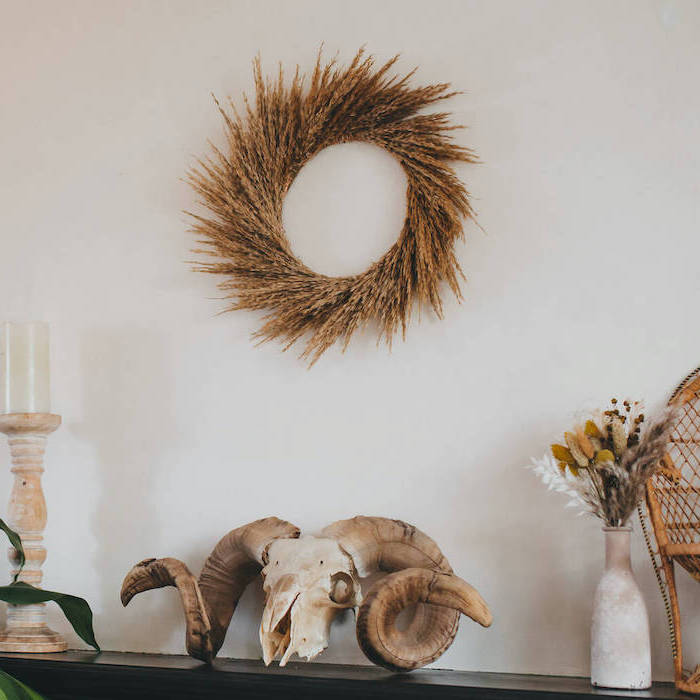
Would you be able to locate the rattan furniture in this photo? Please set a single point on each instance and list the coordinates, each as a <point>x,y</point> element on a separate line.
<point>673,507</point>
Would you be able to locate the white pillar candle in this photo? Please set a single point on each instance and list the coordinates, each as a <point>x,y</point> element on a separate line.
<point>24,367</point>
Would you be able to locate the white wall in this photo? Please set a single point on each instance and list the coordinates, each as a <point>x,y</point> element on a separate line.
<point>176,428</point>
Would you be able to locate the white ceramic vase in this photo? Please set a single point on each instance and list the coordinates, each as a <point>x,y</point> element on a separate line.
<point>620,649</point>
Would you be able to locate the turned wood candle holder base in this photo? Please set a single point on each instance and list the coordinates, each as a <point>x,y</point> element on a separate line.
<point>40,640</point>
<point>26,629</point>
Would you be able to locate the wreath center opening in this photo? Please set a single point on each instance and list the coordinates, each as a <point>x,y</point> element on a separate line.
<point>345,208</point>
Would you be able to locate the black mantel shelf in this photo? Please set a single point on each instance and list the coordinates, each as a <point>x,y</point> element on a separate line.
<point>79,675</point>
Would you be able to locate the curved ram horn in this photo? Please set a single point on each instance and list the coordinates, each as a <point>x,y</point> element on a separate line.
<point>210,602</point>
<point>381,544</point>
<point>441,596</point>
<point>236,560</point>
<point>157,573</point>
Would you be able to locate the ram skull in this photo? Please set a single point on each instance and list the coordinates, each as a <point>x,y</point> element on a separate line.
<point>306,583</point>
<point>309,580</point>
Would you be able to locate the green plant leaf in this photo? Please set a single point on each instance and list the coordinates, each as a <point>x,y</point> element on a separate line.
<point>76,610</point>
<point>16,542</point>
<point>12,689</point>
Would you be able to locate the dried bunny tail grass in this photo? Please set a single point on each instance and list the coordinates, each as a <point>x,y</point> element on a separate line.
<point>574,447</point>
<point>619,436</point>
<point>244,186</point>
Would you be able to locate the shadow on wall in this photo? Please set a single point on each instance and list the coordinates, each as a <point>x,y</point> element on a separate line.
<point>128,398</point>
<point>545,625</point>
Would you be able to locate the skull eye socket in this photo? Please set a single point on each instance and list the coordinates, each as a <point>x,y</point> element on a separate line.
<point>342,588</point>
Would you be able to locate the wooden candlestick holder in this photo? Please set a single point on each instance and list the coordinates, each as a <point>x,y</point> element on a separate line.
<point>26,629</point>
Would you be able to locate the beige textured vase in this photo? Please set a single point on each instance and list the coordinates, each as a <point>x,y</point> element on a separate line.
<point>620,649</point>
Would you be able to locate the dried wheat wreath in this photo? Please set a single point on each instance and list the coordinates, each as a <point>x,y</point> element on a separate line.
<point>244,189</point>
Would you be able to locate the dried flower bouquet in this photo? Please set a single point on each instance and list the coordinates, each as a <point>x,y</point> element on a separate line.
<point>606,462</point>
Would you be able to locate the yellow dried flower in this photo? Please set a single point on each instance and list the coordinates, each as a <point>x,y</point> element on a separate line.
<point>592,430</point>
<point>573,469</point>
<point>604,456</point>
<point>575,449</point>
<point>562,454</point>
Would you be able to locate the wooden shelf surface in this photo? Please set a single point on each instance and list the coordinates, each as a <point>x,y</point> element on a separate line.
<point>80,675</point>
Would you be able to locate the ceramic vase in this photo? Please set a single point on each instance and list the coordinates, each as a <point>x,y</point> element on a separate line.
<point>620,648</point>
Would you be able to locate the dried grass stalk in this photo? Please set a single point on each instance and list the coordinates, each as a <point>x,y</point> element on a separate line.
<point>244,188</point>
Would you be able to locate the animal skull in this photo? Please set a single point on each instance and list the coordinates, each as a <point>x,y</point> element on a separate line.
<point>306,583</point>
<point>309,580</point>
